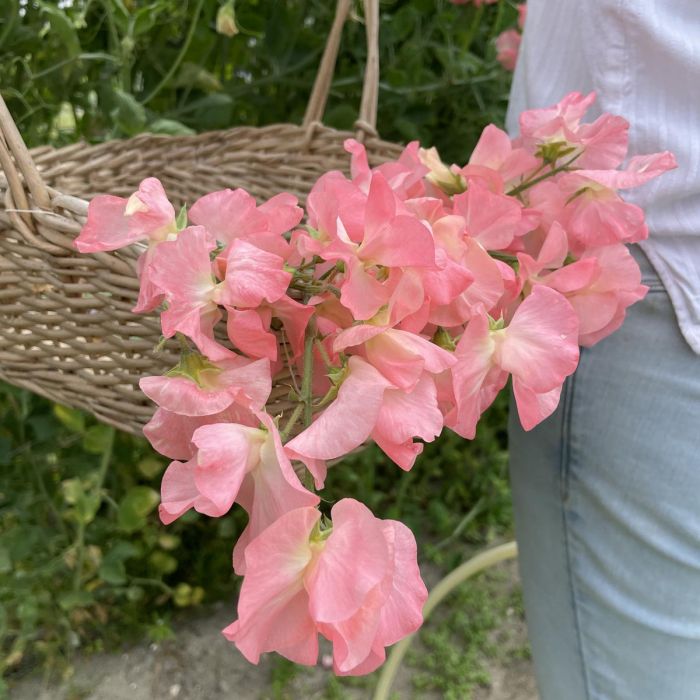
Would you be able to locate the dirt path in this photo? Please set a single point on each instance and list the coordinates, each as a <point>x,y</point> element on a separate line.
<point>199,664</point>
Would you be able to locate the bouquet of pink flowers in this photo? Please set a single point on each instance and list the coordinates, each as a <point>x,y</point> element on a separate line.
<point>402,304</point>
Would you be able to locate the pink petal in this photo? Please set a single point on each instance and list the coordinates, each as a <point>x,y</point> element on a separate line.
<point>182,269</point>
<point>227,214</point>
<point>533,408</point>
<point>402,611</point>
<point>402,241</point>
<point>403,454</point>
<point>248,332</point>
<point>253,276</point>
<point>362,293</point>
<point>540,344</point>
<point>405,415</point>
<point>476,381</point>
<point>380,208</point>
<point>178,492</point>
<point>226,452</point>
<point>270,490</point>
<point>349,420</point>
<point>492,219</point>
<point>106,227</point>
<point>295,318</point>
<point>353,561</point>
<point>639,170</point>
<point>282,212</point>
<point>171,434</point>
<point>272,605</point>
<point>182,395</point>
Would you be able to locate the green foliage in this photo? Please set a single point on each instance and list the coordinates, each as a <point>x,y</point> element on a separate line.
<point>84,561</point>
<point>97,69</point>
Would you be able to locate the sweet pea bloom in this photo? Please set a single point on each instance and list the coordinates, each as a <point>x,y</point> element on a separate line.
<point>357,583</point>
<point>235,463</point>
<point>115,222</point>
<point>538,348</point>
<point>507,48</point>
<point>368,404</point>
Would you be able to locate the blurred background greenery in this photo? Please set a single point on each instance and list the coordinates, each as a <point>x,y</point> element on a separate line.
<point>84,562</point>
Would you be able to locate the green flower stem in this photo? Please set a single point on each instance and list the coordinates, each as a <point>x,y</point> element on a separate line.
<point>306,380</point>
<point>484,560</point>
<point>176,63</point>
<point>529,183</point>
<point>292,420</point>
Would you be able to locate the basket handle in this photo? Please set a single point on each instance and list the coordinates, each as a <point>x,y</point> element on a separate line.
<point>366,123</point>
<point>15,160</point>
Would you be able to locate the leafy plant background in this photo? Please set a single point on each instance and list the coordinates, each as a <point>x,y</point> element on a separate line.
<point>84,562</point>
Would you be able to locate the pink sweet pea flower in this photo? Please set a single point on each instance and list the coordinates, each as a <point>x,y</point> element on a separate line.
<point>235,463</point>
<point>249,329</point>
<point>522,15</point>
<point>358,584</point>
<point>538,347</point>
<point>537,125</point>
<point>374,248</point>
<point>404,176</point>
<point>116,222</point>
<point>495,151</point>
<point>233,214</point>
<point>599,286</point>
<point>602,304</point>
<point>253,276</point>
<point>183,271</point>
<point>367,405</point>
<point>601,144</point>
<point>198,387</point>
<point>486,288</point>
<point>596,216</point>
<point>171,433</point>
<point>400,356</point>
<point>507,48</point>
<point>492,219</point>
<point>391,239</point>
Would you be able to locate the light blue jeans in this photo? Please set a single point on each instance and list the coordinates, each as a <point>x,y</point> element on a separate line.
<point>607,517</point>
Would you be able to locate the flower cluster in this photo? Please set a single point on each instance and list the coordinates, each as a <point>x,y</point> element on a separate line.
<point>403,304</point>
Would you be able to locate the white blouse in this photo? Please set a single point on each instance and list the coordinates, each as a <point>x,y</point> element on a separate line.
<point>642,58</point>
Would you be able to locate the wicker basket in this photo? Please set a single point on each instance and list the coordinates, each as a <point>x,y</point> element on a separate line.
<point>66,329</point>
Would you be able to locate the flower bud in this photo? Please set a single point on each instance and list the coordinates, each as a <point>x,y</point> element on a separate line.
<point>440,174</point>
<point>226,20</point>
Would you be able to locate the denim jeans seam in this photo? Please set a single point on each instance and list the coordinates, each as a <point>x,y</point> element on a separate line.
<point>566,449</point>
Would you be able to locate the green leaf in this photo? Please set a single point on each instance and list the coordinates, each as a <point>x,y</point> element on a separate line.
<point>63,28</point>
<point>151,466</point>
<point>169,127</point>
<point>112,571</point>
<point>97,438</point>
<point>130,114</point>
<point>70,600</point>
<point>71,418</point>
<point>135,507</point>
<point>163,563</point>
<point>192,75</point>
<point>5,561</point>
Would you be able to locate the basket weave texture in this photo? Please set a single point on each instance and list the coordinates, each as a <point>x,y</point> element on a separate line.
<point>66,327</point>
